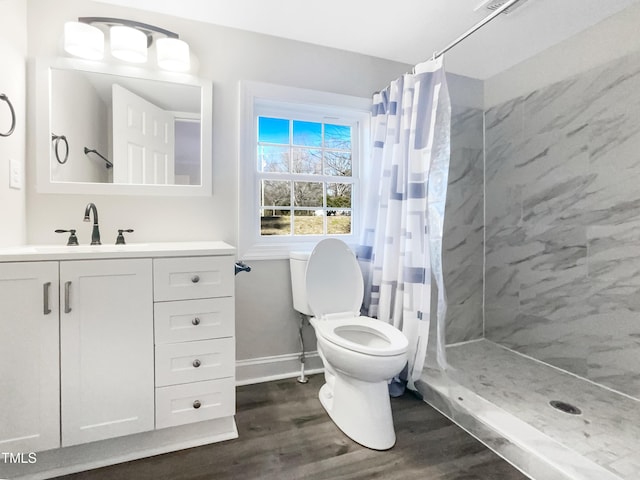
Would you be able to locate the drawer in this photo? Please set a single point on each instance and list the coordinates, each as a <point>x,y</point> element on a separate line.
<point>195,402</point>
<point>188,320</point>
<point>184,278</point>
<point>195,361</point>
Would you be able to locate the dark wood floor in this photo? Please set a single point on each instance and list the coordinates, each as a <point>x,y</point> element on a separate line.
<point>285,434</point>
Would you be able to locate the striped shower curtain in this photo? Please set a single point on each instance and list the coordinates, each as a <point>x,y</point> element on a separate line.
<point>405,188</point>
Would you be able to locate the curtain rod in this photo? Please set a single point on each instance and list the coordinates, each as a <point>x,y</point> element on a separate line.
<point>469,32</point>
<point>475,28</point>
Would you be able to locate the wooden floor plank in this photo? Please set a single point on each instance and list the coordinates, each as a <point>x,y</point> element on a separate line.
<point>286,435</point>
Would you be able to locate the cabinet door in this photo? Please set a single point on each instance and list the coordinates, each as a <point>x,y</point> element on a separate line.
<point>106,330</point>
<point>29,368</point>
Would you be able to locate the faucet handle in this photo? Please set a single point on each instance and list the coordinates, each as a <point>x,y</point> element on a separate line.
<point>120,238</point>
<point>73,240</point>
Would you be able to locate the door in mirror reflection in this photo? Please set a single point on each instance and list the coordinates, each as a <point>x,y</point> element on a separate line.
<point>143,140</point>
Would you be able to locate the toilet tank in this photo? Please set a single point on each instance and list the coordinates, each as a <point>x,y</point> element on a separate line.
<point>298,264</point>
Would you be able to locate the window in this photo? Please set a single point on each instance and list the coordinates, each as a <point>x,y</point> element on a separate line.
<point>299,168</point>
<point>305,172</point>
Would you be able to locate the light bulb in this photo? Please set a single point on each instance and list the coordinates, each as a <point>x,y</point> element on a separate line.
<point>173,54</point>
<point>83,40</point>
<point>128,44</point>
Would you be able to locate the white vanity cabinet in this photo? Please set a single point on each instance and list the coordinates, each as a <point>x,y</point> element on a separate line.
<point>29,374</point>
<point>111,353</point>
<point>106,349</point>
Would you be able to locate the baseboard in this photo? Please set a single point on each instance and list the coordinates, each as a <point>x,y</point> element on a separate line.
<point>266,369</point>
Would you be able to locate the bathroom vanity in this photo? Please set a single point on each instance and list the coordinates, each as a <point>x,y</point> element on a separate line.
<point>110,353</point>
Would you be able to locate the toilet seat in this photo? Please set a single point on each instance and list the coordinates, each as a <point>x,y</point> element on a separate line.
<point>380,339</point>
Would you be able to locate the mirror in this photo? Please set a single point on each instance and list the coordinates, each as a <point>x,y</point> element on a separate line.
<point>119,129</point>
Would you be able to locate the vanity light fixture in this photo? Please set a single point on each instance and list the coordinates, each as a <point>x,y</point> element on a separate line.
<point>129,41</point>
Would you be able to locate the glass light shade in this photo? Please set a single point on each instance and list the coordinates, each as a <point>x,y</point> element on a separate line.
<point>173,54</point>
<point>128,44</point>
<point>83,40</point>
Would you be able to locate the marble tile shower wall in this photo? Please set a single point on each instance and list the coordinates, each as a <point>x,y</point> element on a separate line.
<point>463,235</point>
<point>563,224</point>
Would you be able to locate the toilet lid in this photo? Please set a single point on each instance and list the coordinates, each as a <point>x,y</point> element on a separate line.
<point>334,280</point>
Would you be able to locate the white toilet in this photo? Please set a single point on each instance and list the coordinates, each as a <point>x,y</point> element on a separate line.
<point>360,354</point>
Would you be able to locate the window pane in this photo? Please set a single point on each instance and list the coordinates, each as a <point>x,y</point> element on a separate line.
<point>306,160</point>
<point>306,222</point>
<point>273,130</point>
<point>273,159</point>
<point>307,194</point>
<point>337,136</point>
<point>307,133</point>
<point>275,193</point>
<point>275,222</point>
<point>337,163</point>
<point>338,195</point>
<point>339,223</point>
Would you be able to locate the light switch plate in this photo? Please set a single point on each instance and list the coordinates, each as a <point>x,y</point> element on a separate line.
<point>15,174</point>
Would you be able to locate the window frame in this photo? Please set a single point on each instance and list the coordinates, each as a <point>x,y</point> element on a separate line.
<point>268,100</point>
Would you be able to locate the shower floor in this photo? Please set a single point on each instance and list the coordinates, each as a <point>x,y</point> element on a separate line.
<point>503,398</point>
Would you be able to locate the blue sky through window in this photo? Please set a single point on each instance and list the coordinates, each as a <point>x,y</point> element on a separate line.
<point>337,136</point>
<point>273,130</point>
<point>277,131</point>
<point>307,133</point>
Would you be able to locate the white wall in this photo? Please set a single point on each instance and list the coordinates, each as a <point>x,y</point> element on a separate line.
<point>13,51</point>
<point>78,113</point>
<point>612,38</point>
<point>266,322</point>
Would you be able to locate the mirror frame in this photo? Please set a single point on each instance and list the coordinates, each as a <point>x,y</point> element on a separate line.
<point>44,183</point>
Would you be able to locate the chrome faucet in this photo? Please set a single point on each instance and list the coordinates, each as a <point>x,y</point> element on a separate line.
<point>95,233</point>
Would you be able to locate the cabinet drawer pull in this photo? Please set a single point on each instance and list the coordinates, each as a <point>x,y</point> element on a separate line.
<point>67,297</point>
<point>45,298</point>
<point>195,278</point>
<point>197,404</point>
<point>197,363</point>
<point>195,321</point>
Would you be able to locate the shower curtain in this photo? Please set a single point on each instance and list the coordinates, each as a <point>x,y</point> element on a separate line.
<point>405,188</point>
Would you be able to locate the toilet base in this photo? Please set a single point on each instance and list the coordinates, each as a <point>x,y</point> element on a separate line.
<point>362,410</point>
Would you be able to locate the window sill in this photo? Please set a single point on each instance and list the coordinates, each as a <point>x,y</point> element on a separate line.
<point>280,251</point>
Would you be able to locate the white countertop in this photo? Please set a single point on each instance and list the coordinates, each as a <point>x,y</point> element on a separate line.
<point>130,250</point>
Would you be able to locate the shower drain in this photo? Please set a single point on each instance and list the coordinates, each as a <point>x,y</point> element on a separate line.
<point>565,407</point>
